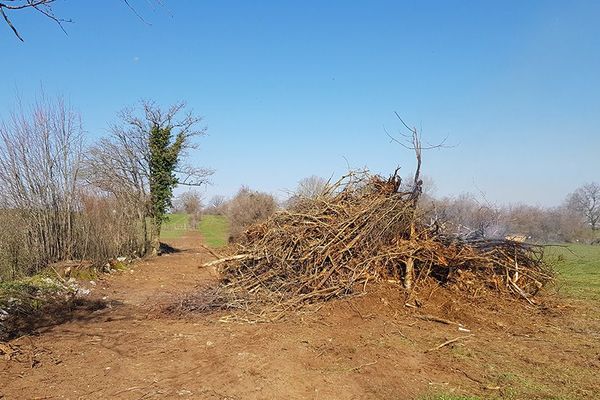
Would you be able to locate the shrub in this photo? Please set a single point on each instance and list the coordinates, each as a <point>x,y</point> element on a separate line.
<point>246,208</point>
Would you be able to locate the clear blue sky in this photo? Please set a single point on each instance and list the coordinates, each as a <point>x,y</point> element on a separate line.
<point>292,89</point>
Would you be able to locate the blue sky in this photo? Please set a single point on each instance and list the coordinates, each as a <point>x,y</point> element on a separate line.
<point>291,89</point>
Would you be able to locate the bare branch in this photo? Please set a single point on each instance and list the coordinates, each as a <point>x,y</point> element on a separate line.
<point>135,12</point>
<point>44,7</point>
<point>10,24</point>
<point>193,176</point>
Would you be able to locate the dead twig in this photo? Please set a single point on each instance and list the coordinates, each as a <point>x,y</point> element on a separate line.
<point>362,366</point>
<point>446,343</point>
<point>212,253</point>
<point>226,259</point>
<point>433,318</point>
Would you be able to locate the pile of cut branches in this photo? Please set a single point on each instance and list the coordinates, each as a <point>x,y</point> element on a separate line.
<point>362,229</point>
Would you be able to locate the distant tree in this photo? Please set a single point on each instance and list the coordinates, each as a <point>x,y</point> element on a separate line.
<point>216,205</point>
<point>143,160</point>
<point>530,221</point>
<point>248,207</point>
<point>568,225</point>
<point>586,201</point>
<point>466,216</point>
<point>308,188</point>
<point>190,202</point>
<point>311,187</point>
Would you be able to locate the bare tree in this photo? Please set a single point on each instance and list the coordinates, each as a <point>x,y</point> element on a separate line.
<point>586,201</point>
<point>466,216</point>
<point>411,141</point>
<point>311,187</point>
<point>248,207</point>
<point>190,202</point>
<point>308,188</point>
<point>216,205</point>
<point>41,156</point>
<point>125,164</point>
<point>559,224</point>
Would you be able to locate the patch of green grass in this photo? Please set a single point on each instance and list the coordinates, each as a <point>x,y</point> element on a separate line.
<point>174,227</point>
<point>31,293</point>
<point>578,267</point>
<point>442,396</point>
<point>518,386</point>
<point>214,230</point>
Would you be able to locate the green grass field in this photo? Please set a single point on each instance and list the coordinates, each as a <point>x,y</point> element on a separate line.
<point>174,227</point>
<point>215,230</point>
<point>578,268</point>
<point>578,277</point>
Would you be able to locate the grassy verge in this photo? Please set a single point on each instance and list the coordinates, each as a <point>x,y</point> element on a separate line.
<point>24,299</point>
<point>214,229</point>
<point>578,267</point>
<point>174,227</point>
<point>448,397</point>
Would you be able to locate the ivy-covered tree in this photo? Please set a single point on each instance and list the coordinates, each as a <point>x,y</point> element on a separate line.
<point>164,157</point>
<point>144,159</point>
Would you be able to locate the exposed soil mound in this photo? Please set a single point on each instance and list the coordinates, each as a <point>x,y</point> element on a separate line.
<point>363,229</point>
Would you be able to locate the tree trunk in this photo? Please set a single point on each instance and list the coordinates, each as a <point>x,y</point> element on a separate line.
<point>409,274</point>
<point>155,237</point>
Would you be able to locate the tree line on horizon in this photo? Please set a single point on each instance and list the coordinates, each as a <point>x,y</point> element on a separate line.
<point>577,219</point>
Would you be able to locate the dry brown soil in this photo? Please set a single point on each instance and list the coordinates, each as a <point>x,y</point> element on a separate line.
<point>369,347</point>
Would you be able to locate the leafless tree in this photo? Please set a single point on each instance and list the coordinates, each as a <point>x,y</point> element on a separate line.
<point>558,224</point>
<point>586,201</point>
<point>120,164</point>
<point>467,216</point>
<point>190,202</point>
<point>248,207</point>
<point>308,188</point>
<point>41,153</point>
<point>216,205</point>
<point>311,187</point>
<point>411,141</point>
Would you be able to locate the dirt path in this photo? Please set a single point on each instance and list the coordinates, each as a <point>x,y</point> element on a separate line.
<point>364,348</point>
<point>127,351</point>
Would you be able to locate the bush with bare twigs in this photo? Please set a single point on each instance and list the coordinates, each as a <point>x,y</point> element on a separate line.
<point>49,215</point>
<point>246,208</point>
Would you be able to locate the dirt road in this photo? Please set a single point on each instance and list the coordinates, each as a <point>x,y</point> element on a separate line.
<point>365,348</point>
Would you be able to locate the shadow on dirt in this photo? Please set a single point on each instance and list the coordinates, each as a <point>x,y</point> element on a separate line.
<point>49,315</point>
<point>166,248</point>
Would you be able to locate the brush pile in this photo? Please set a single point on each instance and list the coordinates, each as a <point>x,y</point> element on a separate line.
<point>363,229</point>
